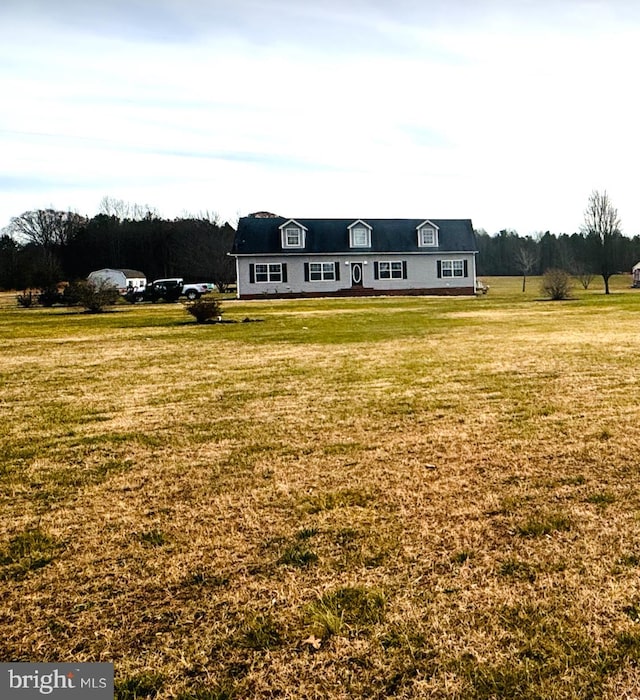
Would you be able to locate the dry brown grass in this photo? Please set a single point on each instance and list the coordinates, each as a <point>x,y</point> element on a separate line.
<point>447,508</point>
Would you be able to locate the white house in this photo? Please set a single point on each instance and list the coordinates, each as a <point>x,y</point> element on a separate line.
<point>279,257</point>
<point>121,279</point>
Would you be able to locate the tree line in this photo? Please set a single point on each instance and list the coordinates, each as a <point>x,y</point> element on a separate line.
<point>507,253</point>
<point>41,248</point>
<point>599,248</point>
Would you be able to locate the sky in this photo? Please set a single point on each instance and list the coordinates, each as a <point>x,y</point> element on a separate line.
<point>507,112</point>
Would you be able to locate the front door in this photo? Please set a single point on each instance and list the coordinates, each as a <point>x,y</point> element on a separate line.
<point>356,274</point>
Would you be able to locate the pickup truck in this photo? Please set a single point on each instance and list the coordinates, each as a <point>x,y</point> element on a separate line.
<point>192,290</point>
<point>168,289</point>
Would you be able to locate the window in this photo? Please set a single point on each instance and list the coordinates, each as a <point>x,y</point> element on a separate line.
<point>452,268</point>
<point>322,272</point>
<point>360,237</point>
<point>292,237</point>
<point>427,236</point>
<point>268,273</point>
<point>390,270</point>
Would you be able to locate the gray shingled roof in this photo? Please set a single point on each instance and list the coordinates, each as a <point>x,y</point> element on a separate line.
<point>257,236</point>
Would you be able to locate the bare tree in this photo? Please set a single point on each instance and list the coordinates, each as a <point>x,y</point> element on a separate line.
<point>203,215</point>
<point>525,259</point>
<point>46,227</point>
<point>602,226</point>
<point>126,210</point>
<point>582,273</point>
<point>47,232</point>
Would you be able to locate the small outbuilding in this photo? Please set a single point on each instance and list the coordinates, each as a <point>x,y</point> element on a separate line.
<point>635,275</point>
<point>123,279</point>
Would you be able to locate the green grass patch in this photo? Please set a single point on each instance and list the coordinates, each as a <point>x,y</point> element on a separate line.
<point>214,691</point>
<point>603,498</point>
<point>348,609</point>
<point>329,500</point>
<point>544,524</point>
<point>27,551</point>
<point>139,686</point>
<point>259,632</point>
<point>153,538</point>
<point>518,570</point>
<point>297,555</point>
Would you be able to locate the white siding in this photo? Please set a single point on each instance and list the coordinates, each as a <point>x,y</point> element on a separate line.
<point>421,270</point>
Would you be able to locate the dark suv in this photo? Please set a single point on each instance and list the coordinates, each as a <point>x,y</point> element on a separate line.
<point>167,290</point>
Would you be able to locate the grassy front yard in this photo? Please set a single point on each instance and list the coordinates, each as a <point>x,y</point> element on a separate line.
<point>356,498</point>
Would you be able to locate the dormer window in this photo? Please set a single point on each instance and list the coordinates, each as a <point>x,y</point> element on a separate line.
<point>293,234</point>
<point>427,235</point>
<point>292,237</point>
<point>359,235</point>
